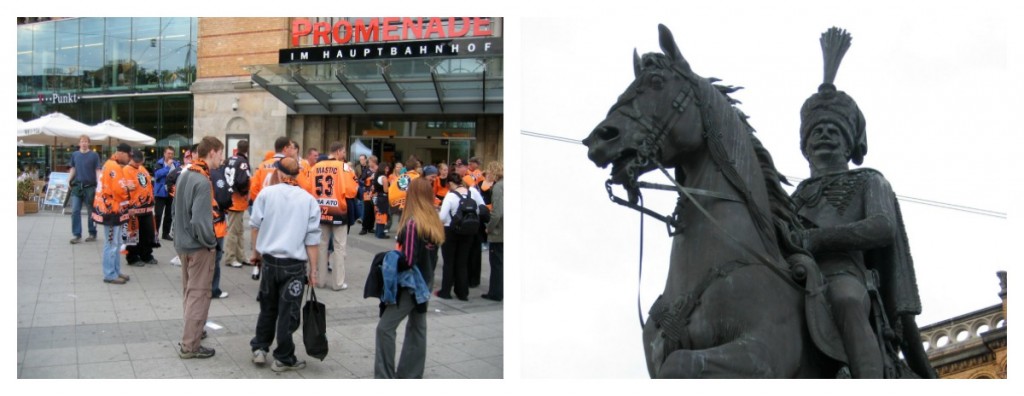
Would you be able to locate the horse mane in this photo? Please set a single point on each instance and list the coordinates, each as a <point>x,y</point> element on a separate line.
<point>786,221</point>
<point>783,228</point>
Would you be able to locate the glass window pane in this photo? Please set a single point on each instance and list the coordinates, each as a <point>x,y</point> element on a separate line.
<point>91,55</point>
<point>117,53</point>
<point>146,116</point>
<point>26,88</point>
<point>43,56</point>
<point>177,52</point>
<point>146,52</point>
<point>177,118</point>
<point>67,55</point>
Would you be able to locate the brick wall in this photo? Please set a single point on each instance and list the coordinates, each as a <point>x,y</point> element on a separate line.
<point>226,45</point>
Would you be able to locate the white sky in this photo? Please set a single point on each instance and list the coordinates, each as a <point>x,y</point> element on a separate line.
<point>931,82</point>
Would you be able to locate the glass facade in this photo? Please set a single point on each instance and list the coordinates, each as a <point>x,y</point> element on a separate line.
<point>106,55</point>
<point>136,71</point>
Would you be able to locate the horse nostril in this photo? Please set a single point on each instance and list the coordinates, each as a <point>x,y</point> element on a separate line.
<point>607,133</point>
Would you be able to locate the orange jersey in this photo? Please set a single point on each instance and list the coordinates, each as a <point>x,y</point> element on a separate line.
<point>351,181</point>
<point>330,190</point>
<point>141,197</point>
<point>305,179</point>
<point>439,191</point>
<point>472,178</point>
<point>368,188</point>
<point>112,201</point>
<point>396,190</point>
<point>259,176</point>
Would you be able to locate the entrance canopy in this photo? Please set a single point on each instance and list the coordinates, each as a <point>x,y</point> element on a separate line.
<point>469,85</point>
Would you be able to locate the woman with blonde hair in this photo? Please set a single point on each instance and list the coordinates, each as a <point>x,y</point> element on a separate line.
<point>420,233</point>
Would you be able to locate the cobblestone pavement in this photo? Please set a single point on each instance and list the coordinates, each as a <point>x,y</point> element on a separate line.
<point>72,325</point>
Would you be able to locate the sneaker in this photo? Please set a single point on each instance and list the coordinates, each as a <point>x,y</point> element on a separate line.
<point>176,261</point>
<point>151,261</point>
<point>125,277</point>
<point>201,353</point>
<point>223,294</point>
<point>116,281</point>
<point>91,238</point>
<point>340,288</point>
<point>235,264</point>
<point>167,238</point>
<point>137,263</point>
<point>278,367</point>
<point>76,240</point>
<point>259,357</point>
<point>363,232</point>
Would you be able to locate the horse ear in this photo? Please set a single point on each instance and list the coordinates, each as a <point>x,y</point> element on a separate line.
<point>669,47</point>
<point>636,64</point>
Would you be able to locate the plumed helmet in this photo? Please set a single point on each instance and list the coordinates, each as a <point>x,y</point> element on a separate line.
<point>832,105</point>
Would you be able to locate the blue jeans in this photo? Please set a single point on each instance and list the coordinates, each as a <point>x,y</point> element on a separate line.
<point>76,212</point>
<point>215,290</point>
<point>359,208</point>
<point>111,251</point>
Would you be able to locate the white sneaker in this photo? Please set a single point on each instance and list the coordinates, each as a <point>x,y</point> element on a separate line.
<point>259,357</point>
<point>223,294</point>
<point>176,261</point>
<point>235,264</point>
<point>344,286</point>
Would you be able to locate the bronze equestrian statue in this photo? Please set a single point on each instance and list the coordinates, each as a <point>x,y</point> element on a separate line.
<point>743,298</point>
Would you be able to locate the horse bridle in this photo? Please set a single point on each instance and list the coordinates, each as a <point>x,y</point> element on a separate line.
<point>647,153</point>
<point>649,149</point>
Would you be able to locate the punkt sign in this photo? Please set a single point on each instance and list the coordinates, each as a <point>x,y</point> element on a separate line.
<point>59,98</point>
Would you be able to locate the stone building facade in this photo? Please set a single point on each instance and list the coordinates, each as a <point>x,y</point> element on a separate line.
<point>972,345</point>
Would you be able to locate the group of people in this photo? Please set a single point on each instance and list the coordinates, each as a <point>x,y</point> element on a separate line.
<point>300,210</point>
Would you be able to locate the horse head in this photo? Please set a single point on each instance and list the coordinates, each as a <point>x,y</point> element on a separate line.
<point>654,120</point>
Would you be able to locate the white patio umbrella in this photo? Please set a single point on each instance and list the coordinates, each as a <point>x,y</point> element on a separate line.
<point>116,133</point>
<point>54,128</point>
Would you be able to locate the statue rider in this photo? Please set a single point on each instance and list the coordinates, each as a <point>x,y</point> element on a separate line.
<point>855,232</point>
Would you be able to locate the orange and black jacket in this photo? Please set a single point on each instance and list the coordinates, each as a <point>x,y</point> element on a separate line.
<point>112,201</point>
<point>141,198</point>
<point>333,186</point>
<point>237,176</point>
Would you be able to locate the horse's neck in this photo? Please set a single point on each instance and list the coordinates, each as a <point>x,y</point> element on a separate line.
<point>702,245</point>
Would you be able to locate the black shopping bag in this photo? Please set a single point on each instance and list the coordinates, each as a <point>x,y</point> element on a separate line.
<point>314,327</point>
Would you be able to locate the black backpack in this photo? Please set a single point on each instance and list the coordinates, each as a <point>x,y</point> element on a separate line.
<point>466,220</point>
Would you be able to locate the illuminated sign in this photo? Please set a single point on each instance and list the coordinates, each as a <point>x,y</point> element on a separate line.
<point>374,30</point>
<point>59,98</point>
<point>467,47</point>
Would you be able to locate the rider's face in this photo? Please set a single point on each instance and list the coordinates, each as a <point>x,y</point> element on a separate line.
<point>827,139</point>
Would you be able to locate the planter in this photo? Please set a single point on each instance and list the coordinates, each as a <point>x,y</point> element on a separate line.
<point>21,208</point>
<point>31,207</point>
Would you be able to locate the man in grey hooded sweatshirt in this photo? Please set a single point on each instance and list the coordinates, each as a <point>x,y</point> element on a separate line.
<point>196,243</point>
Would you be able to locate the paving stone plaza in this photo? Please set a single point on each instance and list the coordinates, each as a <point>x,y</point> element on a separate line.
<point>73,325</point>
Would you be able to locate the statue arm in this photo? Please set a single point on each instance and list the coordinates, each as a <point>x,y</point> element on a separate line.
<point>876,230</point>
